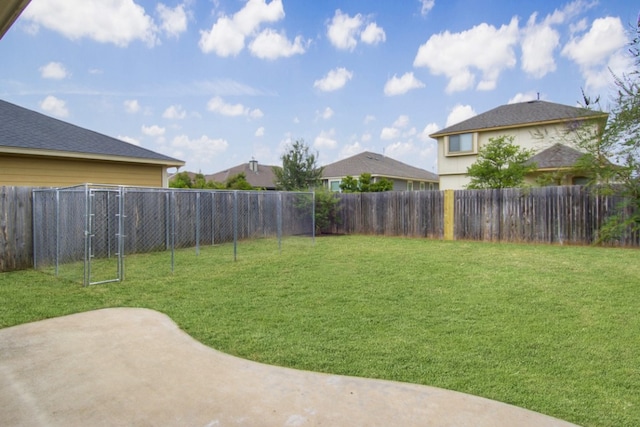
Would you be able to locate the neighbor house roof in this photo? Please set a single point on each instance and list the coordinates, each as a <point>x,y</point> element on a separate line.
<point>557,156</point>
<point>9,12</point>
<point>27,132</point>
<point>261,177</point>
<point>519,114</point>
<point>376,165</point>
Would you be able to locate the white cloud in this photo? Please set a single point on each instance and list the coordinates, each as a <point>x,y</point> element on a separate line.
<point>399,149</point>
<point>173,21</point>
<point>389,133</point>
<point>369,118</point>
<point>401,122</point>
<point>373,34</point>
<point>428,130</point>
<point>460,113</point>
<point>218,105</point>
<point>351,150</point>
<point>174,112</point>
<point>131,106</point>
<point>199,150</point>
<point>326,140</point>
<point>224,39</point>
<point>455,55</point>
<point>523,97</point>
<point>53,70</point>
<point>270,44</point>
<point>538,45</point>
<point>129,139</point>
<point>153,130</point>
<point>118,22</point>
<point>326,114</point>
<point>259,131</point>
<point>227,35</point>
<point>366,137</point>
<point>334,80</point>
<point>343,31</point>
<point>54,106</point>
<point>256,114</point>
<point>426,6</point>
<point>402,85</point>
<point>599,50</point>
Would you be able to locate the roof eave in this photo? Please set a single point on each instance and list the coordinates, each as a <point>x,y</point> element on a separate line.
<point>379,175</point>
<point>520,125</point>
<point>10,10</point>
<point>89,156</point>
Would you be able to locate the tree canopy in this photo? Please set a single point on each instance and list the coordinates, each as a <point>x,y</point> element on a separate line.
<point>299,171</point>
<point>612,159</point>
<point>364,185</point>
<point>500,164</point>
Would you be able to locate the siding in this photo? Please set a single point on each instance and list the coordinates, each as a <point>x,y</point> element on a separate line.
<point>51,172</point>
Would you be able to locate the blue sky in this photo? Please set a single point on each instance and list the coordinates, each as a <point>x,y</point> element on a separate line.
<point>218,82</point>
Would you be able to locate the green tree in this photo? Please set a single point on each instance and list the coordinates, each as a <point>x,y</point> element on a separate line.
<point>382,185</point>
<point>364,184</point>
<point>299,171</point>
<point>238,182</point>
<point>181,180</point>
<point>349,185</point>
<point>326,211</point>
<point>612,159</point>
<point>500,164</point>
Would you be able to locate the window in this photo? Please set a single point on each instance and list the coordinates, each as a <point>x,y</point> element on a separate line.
<point>422,186</point>
<point>462,143</point>
<point>334,185</point>
<point>409,185</point>
<point>580,180</point>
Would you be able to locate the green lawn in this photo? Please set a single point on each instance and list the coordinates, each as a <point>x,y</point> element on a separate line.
<point>553,329</point>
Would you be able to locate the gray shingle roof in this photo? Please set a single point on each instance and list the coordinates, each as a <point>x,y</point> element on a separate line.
<point>522,113</point>
<point>376,165</point>
<point>262,178</point>
<point>26,129</point>
<point>555,157</point>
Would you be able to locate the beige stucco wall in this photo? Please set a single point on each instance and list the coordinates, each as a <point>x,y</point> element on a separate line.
<point>58,172</point>
<point>452,169</point>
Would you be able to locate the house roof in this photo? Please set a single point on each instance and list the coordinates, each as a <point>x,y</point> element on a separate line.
<point>24,131</point>
<point>9,12</point>
<point>519,114</point>
<point>262,177</point>
<point>557,156</point>
<point>376,165</point>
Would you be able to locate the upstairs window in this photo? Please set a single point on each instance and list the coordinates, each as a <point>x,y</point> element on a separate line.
<point>462,143</point>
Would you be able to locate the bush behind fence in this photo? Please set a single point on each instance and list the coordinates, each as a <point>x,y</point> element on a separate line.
<point>559,215</point>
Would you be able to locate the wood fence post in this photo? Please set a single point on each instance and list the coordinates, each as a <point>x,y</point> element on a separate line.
<point>448,215</point>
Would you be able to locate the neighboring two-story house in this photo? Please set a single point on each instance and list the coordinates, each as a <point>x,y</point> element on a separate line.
<point>403,176</point>
<point>543,126</point>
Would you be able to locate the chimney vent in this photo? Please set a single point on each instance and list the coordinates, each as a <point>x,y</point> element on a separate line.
<point>253,165</point>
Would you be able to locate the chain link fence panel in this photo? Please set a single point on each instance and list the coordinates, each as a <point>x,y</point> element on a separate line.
<point>83,233</point>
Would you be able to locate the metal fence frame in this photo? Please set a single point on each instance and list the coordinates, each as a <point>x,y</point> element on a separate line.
<point>75,225</point>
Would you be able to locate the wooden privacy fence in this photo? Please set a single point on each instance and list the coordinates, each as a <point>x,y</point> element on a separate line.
<point>391,213</point>
<point>558,215</point>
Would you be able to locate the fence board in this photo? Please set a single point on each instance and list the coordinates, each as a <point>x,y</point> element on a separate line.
<point>16,236</point>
